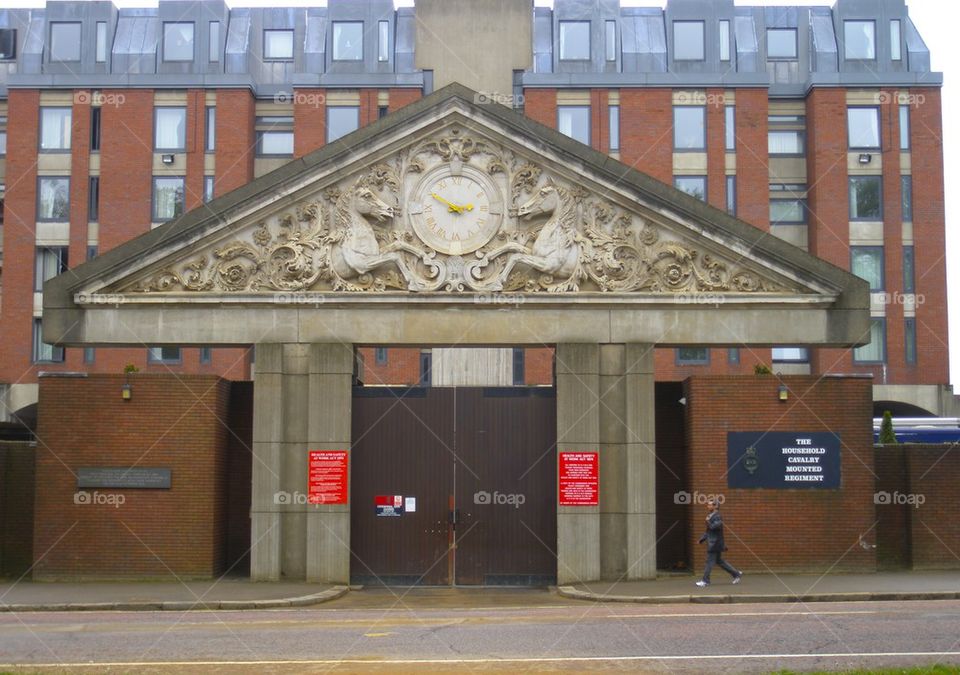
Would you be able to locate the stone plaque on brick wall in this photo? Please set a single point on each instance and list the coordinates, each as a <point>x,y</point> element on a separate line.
<point>123,477</point>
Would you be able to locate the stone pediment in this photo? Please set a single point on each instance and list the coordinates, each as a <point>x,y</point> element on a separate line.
<point>456,199</point>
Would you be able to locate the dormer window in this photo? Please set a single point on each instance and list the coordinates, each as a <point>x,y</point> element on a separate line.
<point>348,41</point>
<point>8,44</point>
<point>859,40</point>
<point>65,41</point>
<point>178,41</point>
<point>782,44</point>
<point>574,40</point>
<point>278,45</point>
<point>688,42</point>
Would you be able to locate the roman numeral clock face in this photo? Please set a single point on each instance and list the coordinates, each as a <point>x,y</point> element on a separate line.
<point>455,209</point>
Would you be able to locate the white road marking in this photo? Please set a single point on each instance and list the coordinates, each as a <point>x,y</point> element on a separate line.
<point>699,615</point>
<point>467,661</point>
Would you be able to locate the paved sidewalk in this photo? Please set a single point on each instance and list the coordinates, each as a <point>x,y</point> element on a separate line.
<point>25,596</point>
<point>908,585</point>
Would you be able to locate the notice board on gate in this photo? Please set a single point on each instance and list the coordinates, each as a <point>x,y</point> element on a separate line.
<point>328,476</point>
<point>579,483</point>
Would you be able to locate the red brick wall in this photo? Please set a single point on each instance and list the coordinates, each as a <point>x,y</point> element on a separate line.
<point>171,422</point>
<point>402,366</point>
<point>600,119</point>
<point>402,97</point>
<point>236,142</point>
<point>541,105</point>
<point>19,236</point>
<point>929,236</point>
<point>934,473</point>
<point>753,173</point>
<point>716,149</point>
<point>538,365</point>
<point>196,147</point>
<point>309,120</point>
<point>646,131</point>
<point>807,530</point>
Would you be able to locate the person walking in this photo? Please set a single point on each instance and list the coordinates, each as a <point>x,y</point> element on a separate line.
<point>715,546</point>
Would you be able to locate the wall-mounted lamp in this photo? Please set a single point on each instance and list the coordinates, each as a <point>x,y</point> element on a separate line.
<point>126,391</point>
<point>865,158</point>
<point>168,159</point>
<point>782,392</point>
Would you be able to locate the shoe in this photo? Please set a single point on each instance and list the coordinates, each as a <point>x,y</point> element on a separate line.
<point>703,584</point>
<point>736,579</point>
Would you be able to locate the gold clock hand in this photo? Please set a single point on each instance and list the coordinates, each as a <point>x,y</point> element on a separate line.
<point>453,207</point>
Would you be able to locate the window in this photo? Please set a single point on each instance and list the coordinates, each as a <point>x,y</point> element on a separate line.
<point>692,356</point>
<point>519,367</point>
<point>688,41</point>
<point>614,128</point>
<point>50,261</point>
<point>3,136</point>
<point>575,40</point>
<point>731,186</point>
<point>909,282</point>
<point>724,40</point>
<point>895,49</point>
<point>8,44</point>
<point>92,251</point>
<point>95,129</point>
<point>167,198</point>
<point>788,211</point>
<point>275,136</point>
<point>863,128</point>
<point>53,197</point>
<point>865,199</point>
<point>347,40</point>
<point>730,128</point>
<point>211,129</point>
<point>55,128</point>
<point>43,352</point>
<point>790,355</point>
<point>906,198</point>
<point>178,41</point>
<point>382,111</point>
<point>910,341</point>
<point>867,263</point>
<point>782,43</point>
<point>278,45</point>
<point>611,42</point>
<point>876,351</point>
<point>426,366</point>
<point>89,355</point>
<point>383,41</point>
<point>101,42</point>
<point>904,127</point>
<point>170,128</point>
<point>207,189</point>
<point>689,128</point>
<point>206,355</point>
<point>93,199</point>
<point>859,40</point>
<point>213,43</point>
<point>574,121</point>
<point>163,355</point>
<point>733,355</point>
<point>65,41</point>
<point>380,355</point>
<point>342,120</point>
<point>695,186</point>
<point>790,143</point>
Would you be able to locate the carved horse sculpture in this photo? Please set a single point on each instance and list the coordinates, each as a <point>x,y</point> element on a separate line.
<point>555,251</point>
<point>356,251</point>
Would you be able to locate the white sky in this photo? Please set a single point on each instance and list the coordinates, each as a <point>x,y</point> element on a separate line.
<point>935,19</point>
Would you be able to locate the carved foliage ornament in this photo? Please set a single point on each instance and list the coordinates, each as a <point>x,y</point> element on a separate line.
<point>455,213</point>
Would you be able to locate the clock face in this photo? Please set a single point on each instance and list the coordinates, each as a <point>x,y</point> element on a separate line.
<point>455,209</point>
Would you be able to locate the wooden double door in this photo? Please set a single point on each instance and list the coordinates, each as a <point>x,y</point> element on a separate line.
<point>454,486</point>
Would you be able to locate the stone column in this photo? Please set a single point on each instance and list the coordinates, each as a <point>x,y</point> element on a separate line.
<point>613,469</point>
<point>329,428</point>
<point>302,396</point>
<point>578,420</point>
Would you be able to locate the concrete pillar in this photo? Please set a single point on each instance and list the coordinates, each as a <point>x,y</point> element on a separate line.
<point>640,463</point>
<point>302,396</point>
<point>613,479</point>
<point>578,429</point>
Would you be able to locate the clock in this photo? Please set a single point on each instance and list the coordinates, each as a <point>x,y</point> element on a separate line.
<point>455,209</point>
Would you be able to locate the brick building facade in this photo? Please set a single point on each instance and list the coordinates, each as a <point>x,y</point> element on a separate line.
<point>820,126</point>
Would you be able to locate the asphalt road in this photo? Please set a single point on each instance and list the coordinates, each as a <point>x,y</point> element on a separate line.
<point>527,630</point>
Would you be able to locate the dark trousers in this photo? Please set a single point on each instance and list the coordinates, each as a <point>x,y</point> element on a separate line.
<point>716,558</point>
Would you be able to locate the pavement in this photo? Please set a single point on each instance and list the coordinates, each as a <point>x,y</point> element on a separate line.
<point>235,593</point>
<point>889,586</point>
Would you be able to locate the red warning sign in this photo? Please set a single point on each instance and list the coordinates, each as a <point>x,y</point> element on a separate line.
<point>579,479</point>
<point>328,476</point>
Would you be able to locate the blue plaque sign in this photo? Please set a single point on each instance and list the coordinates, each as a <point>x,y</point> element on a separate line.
<point>783,459</point>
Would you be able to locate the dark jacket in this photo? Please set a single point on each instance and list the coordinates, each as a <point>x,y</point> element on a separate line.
<point>714,534</point>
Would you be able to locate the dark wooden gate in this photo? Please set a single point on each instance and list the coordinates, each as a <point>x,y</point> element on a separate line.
<point>480,463</point>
